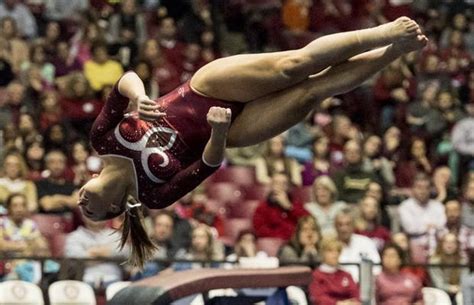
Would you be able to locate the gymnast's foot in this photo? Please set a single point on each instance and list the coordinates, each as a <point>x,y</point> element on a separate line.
<point>400,29</point>
<point>411,44</point>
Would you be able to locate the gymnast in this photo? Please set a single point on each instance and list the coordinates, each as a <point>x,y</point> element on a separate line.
<point>154,152</point>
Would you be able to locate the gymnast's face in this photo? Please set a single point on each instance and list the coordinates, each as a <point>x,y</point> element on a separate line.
<point>99,202</point>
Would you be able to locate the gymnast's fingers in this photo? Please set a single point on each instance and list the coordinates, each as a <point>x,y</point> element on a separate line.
<point>148,107</point>
<point>151,115</point>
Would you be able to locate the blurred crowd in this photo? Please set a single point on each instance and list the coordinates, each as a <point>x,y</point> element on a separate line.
<point>385,171</point>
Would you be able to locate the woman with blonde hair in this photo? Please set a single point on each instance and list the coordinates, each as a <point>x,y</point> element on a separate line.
<point>15,180</point>
<point>304,244</point>
<point>324,208</point>
<point>331,285</point>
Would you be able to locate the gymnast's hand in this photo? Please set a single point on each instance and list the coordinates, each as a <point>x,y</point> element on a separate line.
<point>148,110</point>
<point>219,119</point>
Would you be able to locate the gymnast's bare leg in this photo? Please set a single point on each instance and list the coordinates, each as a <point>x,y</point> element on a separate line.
<point>243,78</point>
<point>270,115</point>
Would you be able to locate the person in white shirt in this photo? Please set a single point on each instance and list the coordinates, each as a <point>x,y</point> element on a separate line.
<point>421,217</point>
<point>356,246</point>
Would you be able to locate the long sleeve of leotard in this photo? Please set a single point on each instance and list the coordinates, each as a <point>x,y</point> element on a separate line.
<point>180,184</point>
<point>111,114</point>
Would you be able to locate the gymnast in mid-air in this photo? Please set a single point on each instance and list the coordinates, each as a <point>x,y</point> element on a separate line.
<point>154,152</point>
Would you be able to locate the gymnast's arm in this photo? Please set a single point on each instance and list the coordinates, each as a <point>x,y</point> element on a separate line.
<point>212,157</point>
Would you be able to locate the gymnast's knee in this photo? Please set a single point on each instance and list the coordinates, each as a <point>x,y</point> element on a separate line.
<point>292,66</point>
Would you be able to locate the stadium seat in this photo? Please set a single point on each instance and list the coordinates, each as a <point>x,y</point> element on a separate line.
<point>256,192</point>
<point>270,245</point>
<point>21,293</point>
<point>303,194</point>
<point>244,209</point>
<point>233,226</point>
<point>241,175</point>
<point>227,192</point>
<point>71,293</point>
<point>49,224</point>
<point>113,288</point>
<point>435,296</point>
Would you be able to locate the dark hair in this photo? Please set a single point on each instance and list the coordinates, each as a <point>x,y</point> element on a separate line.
<point>399,251</point>
<point>10,198</point>
<point>295,242</point>
<point>133,230</point>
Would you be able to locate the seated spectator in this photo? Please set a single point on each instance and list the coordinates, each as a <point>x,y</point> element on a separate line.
<point>245,246</point>
<point>27,128</point>
<point>50,112</point>
<point>128,17</point>
<point>18,50</point>
<point>401,240</point>
<point>81,43</point>
<point>376,163</point>
<point>39,60</point>
<point>355,246</point>
<point>421,217</point>
<point>204,247</point>
<point>454,225</point>
<point>15,181</point>
<point>170,46</point>
<point>19,236</point>
<point>65,9</point>
<point>95,240</point>
<point>278,215</point>
<point>467,282</point>
<point>369,222</point>
<point>417,113</point>
<point>22,16</point>
<point>324,207</point>
<point>274,161</point>
<point>304,244</point>
<point>443,188</point>
<point>391,144</point>
<point>300,139</point>
<point>416,161</point>
<point>468,204</point>
<point>331,285</point>
<point>320,165</point>
<point>34,157</point>
<point>145,71</point>
<point>55,193</point>
<point>443,117</point>
<point>81,164</point>
<point>101,71</point>
<point>339,135</point>
<point>63,62</point>
<point>245,156</point>
<point>352,180</point>
<point>375,190</point>
<point>447,278</point>
<point>392,287</point>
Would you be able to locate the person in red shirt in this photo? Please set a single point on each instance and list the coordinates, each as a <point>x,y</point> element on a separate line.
<point>278,215</point>
<point>168,147</point>
<point>330,285</point>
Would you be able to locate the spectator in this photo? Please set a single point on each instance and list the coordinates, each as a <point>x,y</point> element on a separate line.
<point>65,9</point>
<point>331,285</point>
<point>16,181</point>
<point>416,161</point>
<point>391,144</point>
<point>355,246</point>
<point>401,240</point>
<point>369,222</point>
<point>191,62</point>
<point>304,244</point>
<point>81,164</point>
<point>22,16</point>
<point>171,48</point>
<point>468,204</point>
<point>454,225</point>
<point>442,118</point>
<point>55,193</point>
<point>27,129</point>
<point>83,40</point>
<point>50,112</point>
<point>64,63</point>
<point>352,180</point>
<point>340,127</point>
<point>101,71</point>
<point>40,61</point>
<point>245,246</point>
<point>210,50</point>
<point>392,287</point>
<point>52,36</point>
<point>16,48</point>
<point>34,155</point>
<point>320,165</point>
<point>128,18</point>
<point>245,156</point>
<point>95,240</point>
<point>375,162</point>
<point>275,161</point>
<point>443,188</point>
<point>56,137</point>
<point>325,207</point>
<point>420,216</point>
<point>417,112</point>
<point>447,278</point>
<point>145,72</point>
<point>204,247</point>
<point>278,215</point>
<point>15,103</point>
<point>19,236</point>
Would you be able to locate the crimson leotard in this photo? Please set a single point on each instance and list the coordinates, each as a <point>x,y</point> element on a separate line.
<point>166,153</point>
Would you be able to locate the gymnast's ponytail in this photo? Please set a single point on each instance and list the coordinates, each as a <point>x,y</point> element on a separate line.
<point>142,247</point>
